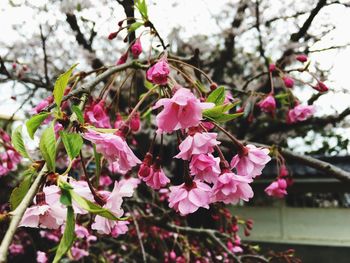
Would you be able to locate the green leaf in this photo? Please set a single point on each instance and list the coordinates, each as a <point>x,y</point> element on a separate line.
<point>34,122</point>
<point>48,147</point>
<point>72,142</point>
<point>92,207</point>
<point>217,111</point>
<point>78,113</point>
<point>142,7</point>
<point>134,26</point>
<point>68,236</point>
<point>61,84</point>
<point>217,96</point>
<point>65,198</point>
<point>228,117</point>
<point>18,143</point>
<point>21,190</point>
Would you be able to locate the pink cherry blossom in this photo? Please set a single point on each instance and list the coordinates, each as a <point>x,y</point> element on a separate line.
<point>288,81</point>
<point>42,105</point>
<point>41,257</point>
<point>156,179</point>
<point>78,253</point>
<point>300,113</point>
<point>187,199</point>
<point>158,73</point>
<point>251,162</point>
<point>96,115</point>
<point>105,180</point>
<point>181,111</point>
<point>16,249</point>
<point>205,167</point>
<point>114,148</point>
<point>113,203</point>
<point>120,228</point>
<point>199,143</point>
<point>277,188</point>
<point>44,216</point>
<point>268,104</point>
<point>136,48</point>
<point>230,188</point>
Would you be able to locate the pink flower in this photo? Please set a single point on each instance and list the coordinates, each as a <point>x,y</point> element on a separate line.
<point>156,179</point>
<point>205,167</point>
<point>44,216</point>
<point>42,105</point>
<point>321,87</point>
<point>230,188</point>
<point>158,73</point>
<point>268,104</point>
<point>78,253</point>
<point>272,67</point>
<point>300,113</point>
<point>120,228</point>
<point>187,199</point>
<point>182,111</point>
<point>105,180</point>
<point>136,48</point>
<point>277,188</point>
<point>301,58</point>
<point>95,114</point>
<point>113,203</point>
<point>197,144</point>
<point>114,149</point>
<point>235,248</point>
<point>251,162</point>
<point>41,257</point>
<point>16,249</point>
<point>288,82</point>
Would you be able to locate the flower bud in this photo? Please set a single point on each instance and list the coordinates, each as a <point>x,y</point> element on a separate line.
<point>301,58</point>
<point>288,82</point>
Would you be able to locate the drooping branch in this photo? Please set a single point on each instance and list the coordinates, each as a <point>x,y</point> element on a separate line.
<point>19,212</point>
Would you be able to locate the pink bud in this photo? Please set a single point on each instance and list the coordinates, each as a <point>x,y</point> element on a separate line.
<point>301,58</point>
<point>135,122</point>
<point>14,65</point>
<point>272,67</point>
<point>123,59</point>
<point>172,255</point>
<point>288,81</point>
<point>136,48</point>
<point>321,87</point>
<point>283,172</point>
<point>112,35</point>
